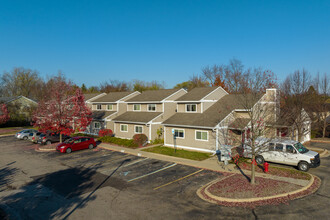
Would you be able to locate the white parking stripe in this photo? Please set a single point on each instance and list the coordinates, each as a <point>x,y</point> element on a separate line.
<point>164,168</point>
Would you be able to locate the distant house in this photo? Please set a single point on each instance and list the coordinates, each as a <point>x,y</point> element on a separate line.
<point>146,112</point>
<point>20,107</point>
<point>106,107</point>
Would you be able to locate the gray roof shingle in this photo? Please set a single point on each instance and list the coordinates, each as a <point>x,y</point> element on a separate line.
<point>100,115</point>
<point>196,94</point>
<point>153,95</point>
<point>112,97</point>
<point>213,115</point>
<point>137,117</point>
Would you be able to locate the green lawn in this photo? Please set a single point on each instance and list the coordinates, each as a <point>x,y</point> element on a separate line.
<point>192,155</point>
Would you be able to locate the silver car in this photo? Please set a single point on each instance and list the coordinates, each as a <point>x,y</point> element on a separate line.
<point>24,134</point>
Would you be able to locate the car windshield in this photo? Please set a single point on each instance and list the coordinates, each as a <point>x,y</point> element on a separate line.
<point>68,140</point>
<point>301,148</point>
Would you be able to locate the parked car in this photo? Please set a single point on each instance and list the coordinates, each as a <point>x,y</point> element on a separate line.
<point>287,152</point>
<point>24,134</point>
<point>51,137</point>
<point>34,137</point>
<point>76,143</point>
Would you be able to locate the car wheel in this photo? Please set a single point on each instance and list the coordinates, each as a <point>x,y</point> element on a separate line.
<point>91,146</point>
<point>48,142</point>
<point>303,166</point>
<point>25,138</point>
<point>68,150</point>
<point>260,160</point>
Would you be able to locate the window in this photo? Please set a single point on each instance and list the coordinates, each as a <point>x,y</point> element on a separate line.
<point>123,128</point>
<point>138,129</point>
<point>191,108</point>
<point>110,107</point>
<point>178,133</point>
<point>97,125</point>
<point>279,147</point>
<point>271,147</point>
<point>152,107</point>
<point>99,107</point>
<point>137,107</point>
<point>290,149</point>
<point>201,135</point>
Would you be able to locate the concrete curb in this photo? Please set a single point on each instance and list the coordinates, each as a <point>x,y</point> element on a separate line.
<point>44,150</point>
<point>320,141</point>
<point>323,154</point>
<point>215,199</point>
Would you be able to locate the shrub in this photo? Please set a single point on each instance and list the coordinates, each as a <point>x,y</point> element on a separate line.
<point>105,132</point>
<point>119,141</point>
<point>140,139</point>
<point>158,141</point>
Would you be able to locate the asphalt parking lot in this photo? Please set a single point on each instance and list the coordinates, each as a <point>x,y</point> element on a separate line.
<point>103,184</point>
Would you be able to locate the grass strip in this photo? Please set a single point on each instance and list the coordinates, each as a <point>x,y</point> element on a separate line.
<point>192,155</point>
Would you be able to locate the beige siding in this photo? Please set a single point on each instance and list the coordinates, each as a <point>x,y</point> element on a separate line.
<point>207,105</point>
<point>176,95</point>
<point>110,125</point>
<point>144,107</point>
<point>216,94</point>
<point>131,131</point>
<point>154,129</point>
<point>189,139</point>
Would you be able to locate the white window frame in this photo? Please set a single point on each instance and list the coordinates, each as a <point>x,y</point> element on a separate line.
<point>97,123</point>
<point>109,106</point>
<point>136,105</point>
<point>98,105</point>
<point>152,110</point>
<point>178,132</point>
<point>124,125</point>
<point>186,106</point>
<point>207,135</point>
<point>135,126</point>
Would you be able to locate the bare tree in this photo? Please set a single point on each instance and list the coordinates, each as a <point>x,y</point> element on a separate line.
<point>21,81</point>
<point>114,86</point>
<point>296,99</point>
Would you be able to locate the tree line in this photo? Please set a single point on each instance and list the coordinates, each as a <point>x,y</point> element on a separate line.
<point>299,90</point>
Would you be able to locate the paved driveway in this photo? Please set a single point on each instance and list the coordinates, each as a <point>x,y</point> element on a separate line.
<point>103,184</point>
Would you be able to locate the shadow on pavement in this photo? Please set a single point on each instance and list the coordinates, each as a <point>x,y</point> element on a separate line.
<point>53,195</point>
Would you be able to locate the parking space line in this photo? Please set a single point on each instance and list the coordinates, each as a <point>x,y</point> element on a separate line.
<point>178,179</point>
<point>164,168</point>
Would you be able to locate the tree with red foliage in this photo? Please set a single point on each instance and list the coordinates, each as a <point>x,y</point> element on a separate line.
<point>4,114</point>
<point>64,111</point>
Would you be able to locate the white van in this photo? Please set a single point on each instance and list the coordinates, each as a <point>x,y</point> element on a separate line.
<point>285,152</point>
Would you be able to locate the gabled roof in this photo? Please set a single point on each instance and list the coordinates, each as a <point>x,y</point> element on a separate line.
<point>13,98</point>
<point>213,115</point>
<point>137,117</point>
<point>100,115</point>
<point>112,97</point>
<point>89,96</point>
<point>196,94</point>
<point>153,95</point>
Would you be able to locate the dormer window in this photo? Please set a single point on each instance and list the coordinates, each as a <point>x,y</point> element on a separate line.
<point>137,107</point>
<point>151,107</point>
<point>98,106</point>
<point>191,107</point>
<point>110,107</point>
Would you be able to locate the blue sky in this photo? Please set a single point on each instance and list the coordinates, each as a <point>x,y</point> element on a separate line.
<point>96,41</point>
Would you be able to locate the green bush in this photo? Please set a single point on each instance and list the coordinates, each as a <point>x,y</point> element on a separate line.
<point>157,141</point>
<point>83,134</point>
<point>119,141</point>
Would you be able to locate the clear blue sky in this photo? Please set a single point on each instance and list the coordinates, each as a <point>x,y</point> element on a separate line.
<point>93,41</point>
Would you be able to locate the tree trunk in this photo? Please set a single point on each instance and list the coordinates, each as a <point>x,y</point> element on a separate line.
<point>60,138</point>
<point>324,126</point>
<point>253,170</point>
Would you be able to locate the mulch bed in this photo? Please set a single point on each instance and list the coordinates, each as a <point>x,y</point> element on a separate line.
<point>276,171</point>
<point>262,202</point>
<point>239,187</point>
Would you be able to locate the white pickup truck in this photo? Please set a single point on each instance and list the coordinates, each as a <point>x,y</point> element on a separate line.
<point>285,152</point>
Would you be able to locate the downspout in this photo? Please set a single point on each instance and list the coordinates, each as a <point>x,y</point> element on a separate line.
<point>217,140</point>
